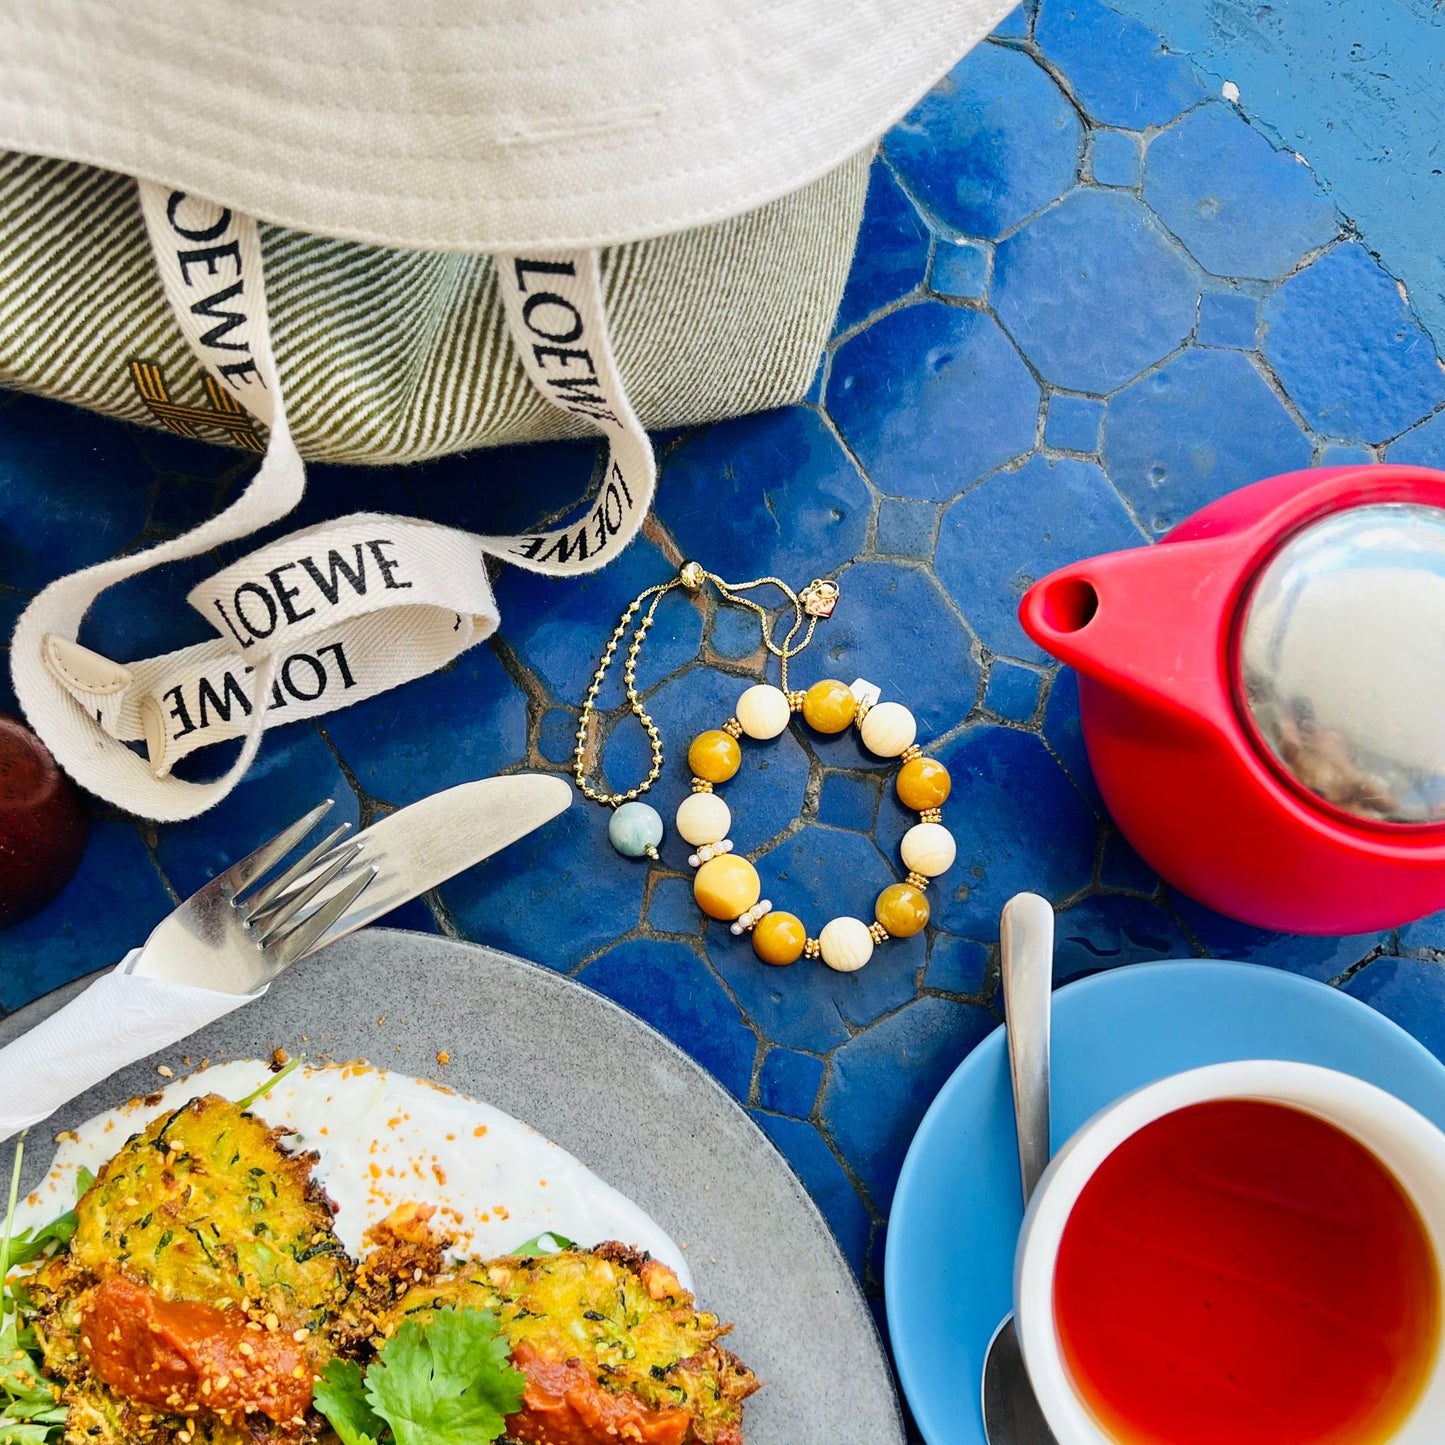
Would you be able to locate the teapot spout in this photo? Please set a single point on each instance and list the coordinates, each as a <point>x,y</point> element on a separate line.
<point>1153,620</point>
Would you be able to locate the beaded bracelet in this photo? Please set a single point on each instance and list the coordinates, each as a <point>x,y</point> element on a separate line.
<point>727,886</point>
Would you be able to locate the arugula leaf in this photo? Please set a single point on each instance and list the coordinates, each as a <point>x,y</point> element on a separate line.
<point>547,1242</point>
<point>446,1381</point>
<point>341,1396</point>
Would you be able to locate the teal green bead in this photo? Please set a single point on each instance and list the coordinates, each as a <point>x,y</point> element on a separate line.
<point>634,828</point>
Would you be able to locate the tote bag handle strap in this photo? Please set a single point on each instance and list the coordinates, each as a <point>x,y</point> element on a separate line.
<point>332,614</point>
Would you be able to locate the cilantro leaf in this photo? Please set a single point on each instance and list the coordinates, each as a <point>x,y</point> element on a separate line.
<point>446,1380</point>
<point>341,1396</point>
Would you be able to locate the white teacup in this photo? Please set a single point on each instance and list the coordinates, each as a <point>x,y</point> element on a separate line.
<point>1407,1143</point>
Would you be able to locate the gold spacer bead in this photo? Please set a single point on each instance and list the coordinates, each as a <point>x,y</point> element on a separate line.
<point>812,949</point>
<point>932,815</point>
<point>701,785</point>
<point>880,934</point>
<point>733,728</point>
<point>910,752</point>
<point>864,708</point>
<point>795,700</point>
<point>917,880</point>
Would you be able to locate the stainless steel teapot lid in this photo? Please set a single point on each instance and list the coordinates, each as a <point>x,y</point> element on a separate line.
<point>1340,662</point>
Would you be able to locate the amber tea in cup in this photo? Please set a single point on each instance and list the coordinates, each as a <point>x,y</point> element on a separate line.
<point>1241,1270</point>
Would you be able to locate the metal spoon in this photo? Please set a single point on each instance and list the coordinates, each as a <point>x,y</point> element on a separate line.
<point>1011,1414</point>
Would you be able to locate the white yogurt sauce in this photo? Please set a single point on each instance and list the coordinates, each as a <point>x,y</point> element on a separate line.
<point>386,1139</point>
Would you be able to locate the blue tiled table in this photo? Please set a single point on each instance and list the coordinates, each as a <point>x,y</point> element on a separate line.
<point>1089,296</point>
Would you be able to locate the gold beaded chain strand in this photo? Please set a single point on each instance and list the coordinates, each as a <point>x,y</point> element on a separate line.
<point>636,828</point>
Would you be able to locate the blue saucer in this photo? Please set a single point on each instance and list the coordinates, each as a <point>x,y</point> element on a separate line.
<point>948,1276</point>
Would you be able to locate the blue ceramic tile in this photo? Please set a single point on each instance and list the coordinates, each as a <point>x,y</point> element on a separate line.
<point>999,539</point>
<point>1228,318</point>
<point>515,900</point>
<point>992,142</point>
<point>931,398</point>
<point>1242,207</point>
<point>1318,958</point>
<point>557,735</point>
<point>1020,825</point>
<point>502,490</point>
<point>1121,867</point>
<point>451,727</point>
<point>413,917</point>
<point>148,615</point>
<point>1064,734</point>
<point>1012,691</point>
<point>1422,446</point>
<point>293,772</point>
<point>892,254</point>
<point>767,493</point>
<point>1115,158</point>
<point>73,491</point>
<point>1348,350</point>
<point>670,987</point>
<point>905,529</point>
<point>819,875</point>
<point>1017,23</point>
<point>1166,451</point>
<point>673,909</point>
<point>788,1082</point>
<point>1341,455</point>
<point>736,634</point>
<point>824,1179</point>
<point>187,459</point>
<point>1118,68</point>
<point>1106,932</point>
<point>1425,934</point>
<point>956,965</point>
<point>961,268</point>
<point>848,801</point>
<point>1409,991</point>
<point>108,907</point>
<point>1093,291</point>
<point>884,1080</point>
<point>890,619</point>
<point>1072,423</point>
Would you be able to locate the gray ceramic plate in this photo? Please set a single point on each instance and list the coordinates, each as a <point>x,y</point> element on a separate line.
<point>622,1099</point>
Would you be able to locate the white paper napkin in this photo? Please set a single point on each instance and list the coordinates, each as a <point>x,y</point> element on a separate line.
<point>120,1018</point>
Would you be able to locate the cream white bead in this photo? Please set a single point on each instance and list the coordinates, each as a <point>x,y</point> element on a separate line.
<point>888,728</point>
<point>763,711</point>
<point>703,818</point>
<point>929,849</point>
<point>846,944</point>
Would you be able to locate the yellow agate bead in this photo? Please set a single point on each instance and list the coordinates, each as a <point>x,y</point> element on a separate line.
<point>727,886</point>
<point>923,783</point>
<point>902,909</point>
<point>829,706</point>
<point>714,756</point>
<point>779,939</point>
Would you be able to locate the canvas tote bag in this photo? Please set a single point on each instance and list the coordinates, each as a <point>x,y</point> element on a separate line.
<point>374,230</point>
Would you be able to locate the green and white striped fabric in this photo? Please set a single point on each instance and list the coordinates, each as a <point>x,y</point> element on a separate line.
<point>396,355</point>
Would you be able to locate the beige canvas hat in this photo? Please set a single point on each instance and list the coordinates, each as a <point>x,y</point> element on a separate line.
<point>482,126</point>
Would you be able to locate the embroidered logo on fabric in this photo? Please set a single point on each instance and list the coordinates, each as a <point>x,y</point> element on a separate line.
<point>224,412</point>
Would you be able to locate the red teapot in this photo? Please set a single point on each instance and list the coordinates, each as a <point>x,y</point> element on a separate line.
<point>1263,696</point>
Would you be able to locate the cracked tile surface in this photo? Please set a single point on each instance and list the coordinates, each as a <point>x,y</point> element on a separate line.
<point>1088,299</point>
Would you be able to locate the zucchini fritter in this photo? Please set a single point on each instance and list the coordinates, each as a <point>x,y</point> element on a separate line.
<point>200,1230</point>
<point>611,1344</point>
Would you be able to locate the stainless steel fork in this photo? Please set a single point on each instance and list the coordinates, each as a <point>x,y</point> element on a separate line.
<point>244,928</point>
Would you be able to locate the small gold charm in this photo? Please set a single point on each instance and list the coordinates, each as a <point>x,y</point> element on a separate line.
<point>819,597</point>
<point>692,575</point>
